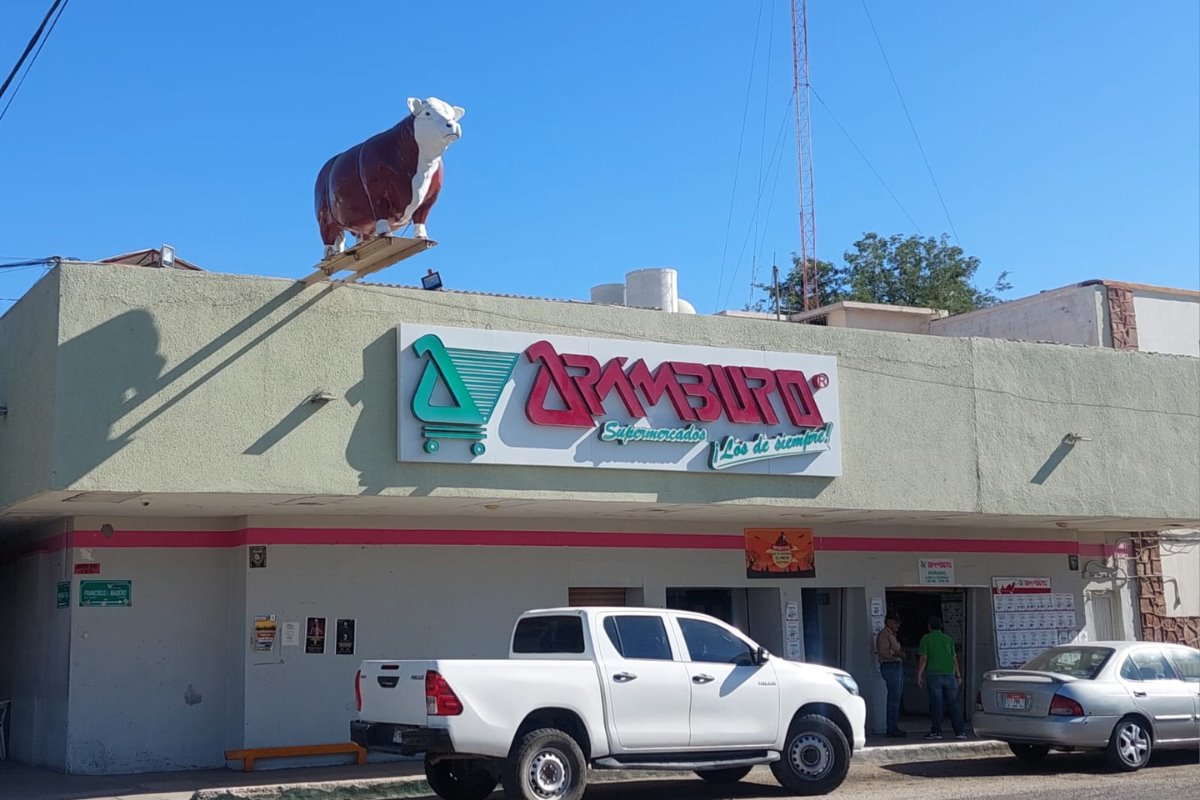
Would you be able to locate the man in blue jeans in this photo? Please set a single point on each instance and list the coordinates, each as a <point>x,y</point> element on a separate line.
<point>891,667</point>
<point>937,670</point>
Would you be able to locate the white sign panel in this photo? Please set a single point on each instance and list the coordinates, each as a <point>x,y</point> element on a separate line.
<point>503,397</point>
<point>936,571</point>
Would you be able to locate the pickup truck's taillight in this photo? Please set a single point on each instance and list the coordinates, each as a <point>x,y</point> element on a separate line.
<point>358,689</point>
<point>1065,707</point>
<point>440,699</point>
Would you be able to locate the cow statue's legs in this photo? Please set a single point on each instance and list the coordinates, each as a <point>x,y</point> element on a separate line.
<point>383,227</point>
<point>419,231</point>
<point>337,248</point>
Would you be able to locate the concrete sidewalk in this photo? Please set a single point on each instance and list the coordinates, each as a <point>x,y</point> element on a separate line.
<point>378,781</point>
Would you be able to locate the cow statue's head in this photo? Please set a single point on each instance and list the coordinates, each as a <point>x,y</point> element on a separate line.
<point>435,123</point>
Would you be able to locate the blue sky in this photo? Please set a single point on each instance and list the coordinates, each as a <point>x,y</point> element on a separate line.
<point>604,137</point>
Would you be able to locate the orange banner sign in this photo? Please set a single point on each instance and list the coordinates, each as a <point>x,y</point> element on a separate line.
<point>780,553</point>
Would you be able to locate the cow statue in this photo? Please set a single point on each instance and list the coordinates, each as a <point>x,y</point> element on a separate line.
<point>393,178</point>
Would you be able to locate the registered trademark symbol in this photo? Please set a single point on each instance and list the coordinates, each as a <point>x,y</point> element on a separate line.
<point>820,381</point>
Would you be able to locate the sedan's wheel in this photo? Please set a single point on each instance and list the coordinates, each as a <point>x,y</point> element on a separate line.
<point>1129,747</point>
<point>545,764</point>
<point>816,757</point>
<point>460,778</point>
<point>1032,753</point>
<point>727,775</point>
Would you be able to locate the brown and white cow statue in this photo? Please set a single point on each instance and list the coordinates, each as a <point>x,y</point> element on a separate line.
<point>393,178</point>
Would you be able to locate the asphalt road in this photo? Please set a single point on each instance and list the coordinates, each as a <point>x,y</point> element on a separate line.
<point>1170,776</point>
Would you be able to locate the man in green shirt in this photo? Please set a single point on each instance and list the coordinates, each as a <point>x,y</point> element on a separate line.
<point>937,671</point>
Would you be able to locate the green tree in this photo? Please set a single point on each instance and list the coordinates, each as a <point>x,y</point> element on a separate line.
<point>921,271</point>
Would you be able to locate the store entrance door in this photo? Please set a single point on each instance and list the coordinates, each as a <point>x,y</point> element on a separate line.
<point>915,607</point>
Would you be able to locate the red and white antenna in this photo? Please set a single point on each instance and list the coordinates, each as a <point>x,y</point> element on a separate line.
<point>810,290</point>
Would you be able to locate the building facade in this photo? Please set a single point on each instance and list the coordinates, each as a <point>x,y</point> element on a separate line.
<point>220,493</point>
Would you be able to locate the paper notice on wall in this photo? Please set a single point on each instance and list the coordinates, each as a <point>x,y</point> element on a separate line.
<point>876,606</point>
<point>876,625</point>
<point>345,637</point>
<point>791,611</point>
<point>935,571</point>
<point>291,634</point>
<point>265,629</point>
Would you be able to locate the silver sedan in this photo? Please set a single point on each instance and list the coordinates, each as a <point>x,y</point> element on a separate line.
<point>1125,698</point>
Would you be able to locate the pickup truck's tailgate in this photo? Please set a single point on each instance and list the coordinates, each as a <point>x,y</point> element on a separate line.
<point>394,691</point>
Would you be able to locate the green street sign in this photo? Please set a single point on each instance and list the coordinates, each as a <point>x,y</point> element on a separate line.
<point>106,593</point>
<point>64,594</point>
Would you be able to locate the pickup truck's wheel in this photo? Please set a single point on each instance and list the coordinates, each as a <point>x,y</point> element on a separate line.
<point>461,778</point>
<point>545,764</point>
<point>816,757</point>
<point>727,775</point>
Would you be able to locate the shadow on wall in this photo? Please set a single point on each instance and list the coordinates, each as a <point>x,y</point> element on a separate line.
<point>372,450</point>
<point>120,365</point>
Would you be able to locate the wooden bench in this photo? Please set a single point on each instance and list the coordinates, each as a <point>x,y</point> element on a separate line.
<point>250,754</point>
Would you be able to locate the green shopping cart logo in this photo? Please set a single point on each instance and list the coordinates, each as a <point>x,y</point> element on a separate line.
<point>474,380</point>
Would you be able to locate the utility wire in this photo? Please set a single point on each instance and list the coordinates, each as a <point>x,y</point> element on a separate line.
<point>866,160</point>
<point>741,139</point>
<point>758,201</point>
<point>911,125</point>
<point>61,5</point>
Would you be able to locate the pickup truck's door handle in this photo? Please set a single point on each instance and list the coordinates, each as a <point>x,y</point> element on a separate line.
<point>1139,694</point>
<point>624,677</point>
<point>702,678</point>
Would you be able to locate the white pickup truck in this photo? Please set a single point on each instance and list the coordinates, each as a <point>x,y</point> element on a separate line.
<point>611,688</point>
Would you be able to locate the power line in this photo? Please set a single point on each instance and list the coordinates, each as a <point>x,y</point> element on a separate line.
<point>61,5</point>
<point>911,125</point>
<point>741,139</point>
<point>866,160</point>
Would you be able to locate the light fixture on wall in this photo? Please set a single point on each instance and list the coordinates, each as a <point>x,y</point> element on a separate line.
<point>320,397</point>
<point>1072,439</point>
<point>167,259</point>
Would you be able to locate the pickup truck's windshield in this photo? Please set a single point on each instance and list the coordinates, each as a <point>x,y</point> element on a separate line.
<point>713,644</point>
<point>548,635</point>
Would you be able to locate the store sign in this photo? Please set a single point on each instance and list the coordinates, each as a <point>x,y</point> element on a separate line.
<point>106,593</point>
<point>502,397</point>
<point>1020,585</point>
<point>935,571</point>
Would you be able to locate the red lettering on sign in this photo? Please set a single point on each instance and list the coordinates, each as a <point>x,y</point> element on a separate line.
<point>552,370</point>
<point>798,399</point>
<point>87,569</point>
<point>698,392</point>
<point>709,409</point>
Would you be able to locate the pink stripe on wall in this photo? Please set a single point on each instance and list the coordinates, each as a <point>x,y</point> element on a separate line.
<point>600,539</point>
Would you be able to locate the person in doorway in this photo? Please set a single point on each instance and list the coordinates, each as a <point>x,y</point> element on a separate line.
<point>938,672</point>
<point>891,667</point>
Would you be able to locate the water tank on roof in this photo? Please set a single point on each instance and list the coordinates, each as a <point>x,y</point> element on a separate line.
<point>684,307</point>
<point>652,288</point>
<point>611,294</point>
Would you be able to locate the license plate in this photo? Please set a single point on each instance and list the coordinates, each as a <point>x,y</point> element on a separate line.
<point>1013,701</point>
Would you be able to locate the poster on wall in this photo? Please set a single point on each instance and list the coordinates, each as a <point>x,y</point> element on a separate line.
<point>1030,618</point>
<point>345,637</point>
<point>314,640</point>
<point>265,630</point>
<point>291,634</point>
<point>780,553</point>
<point>791,631</point>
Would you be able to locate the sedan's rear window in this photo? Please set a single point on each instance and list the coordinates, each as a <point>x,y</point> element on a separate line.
<point>1078,662</point>
<point>549,635</point>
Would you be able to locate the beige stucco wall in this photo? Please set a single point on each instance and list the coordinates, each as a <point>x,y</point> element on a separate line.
<point>151,363</point>
<point>1070,315</point>
<point>28,361</point>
